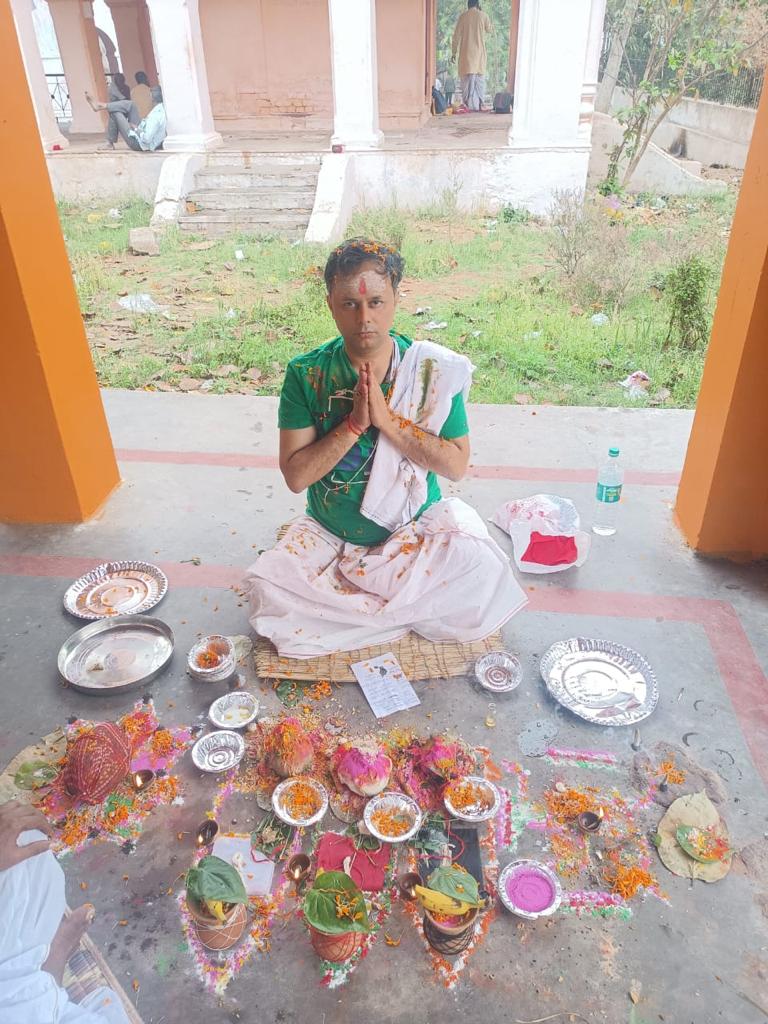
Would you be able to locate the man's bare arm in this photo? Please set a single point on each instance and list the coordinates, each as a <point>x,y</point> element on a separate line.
<point>304,460</point>
<point>448,457</point>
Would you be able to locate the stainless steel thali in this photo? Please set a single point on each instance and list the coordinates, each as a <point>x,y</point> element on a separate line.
<point>600,681</point>
<point>116,588</point>
<point>117,655</point>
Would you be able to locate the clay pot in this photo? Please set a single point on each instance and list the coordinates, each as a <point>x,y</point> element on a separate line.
<point>450,940</point>
<point>215,934</point>
<point>467,921</point>
<point>335,948</point>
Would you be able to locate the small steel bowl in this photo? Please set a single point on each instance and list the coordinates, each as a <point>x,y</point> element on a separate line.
<point>498,672</point>
<point>480,814</point>
<point>407,882</point>
<point>285,815</point>
<point>392,801</point>
<point>545,873</point>
<point>587,821</point>
<point>206,832</point>
<point>234,710</point>
<point>220,673</point>
<point>218,751</point>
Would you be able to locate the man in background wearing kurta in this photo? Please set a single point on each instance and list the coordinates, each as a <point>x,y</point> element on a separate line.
<point>469,42</point>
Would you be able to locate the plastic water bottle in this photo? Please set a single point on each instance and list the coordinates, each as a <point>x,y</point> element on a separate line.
<point>610,478</point>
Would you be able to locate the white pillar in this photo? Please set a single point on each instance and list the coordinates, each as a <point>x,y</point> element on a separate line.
<point>50,135</point>
<point>551,48</point>
<point>178,45</point>
<point>355,75</point>
<point>81,57</point>
<point>591,67</point>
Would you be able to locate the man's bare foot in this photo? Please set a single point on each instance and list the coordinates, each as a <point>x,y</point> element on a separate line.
<point>107,146</point>
<point>67,938</point>
<point>92,102</point>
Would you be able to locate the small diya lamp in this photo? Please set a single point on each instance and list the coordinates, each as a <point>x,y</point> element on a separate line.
<point>206,833</point>
<point>141,779</point>
<point>297,868</point>
<point>590,822</point>
<point>407,883</point>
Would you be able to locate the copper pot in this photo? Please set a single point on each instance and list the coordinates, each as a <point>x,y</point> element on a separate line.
<point>215,934</point>
<point>335,948</point>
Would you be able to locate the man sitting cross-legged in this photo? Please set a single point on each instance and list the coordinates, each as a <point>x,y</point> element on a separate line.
<point>367,421</point>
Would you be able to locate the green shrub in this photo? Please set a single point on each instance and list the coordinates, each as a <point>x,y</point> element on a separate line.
<point>686,289</point>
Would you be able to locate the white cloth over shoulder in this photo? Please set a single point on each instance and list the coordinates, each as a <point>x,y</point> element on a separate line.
<point>33,902</point>
<point>428,379</point>
<point>442,576</point>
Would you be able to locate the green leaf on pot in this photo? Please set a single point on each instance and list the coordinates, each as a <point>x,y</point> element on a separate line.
<point>335,905</point>
<point>454,881</point>
<point>214,879</point>
<point>33,774</point>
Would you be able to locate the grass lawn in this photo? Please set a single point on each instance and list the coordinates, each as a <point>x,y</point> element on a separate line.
<point>231,325</point>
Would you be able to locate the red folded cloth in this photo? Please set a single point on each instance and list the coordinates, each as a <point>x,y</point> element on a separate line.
<point>367,868</point>
<point>550,550</point>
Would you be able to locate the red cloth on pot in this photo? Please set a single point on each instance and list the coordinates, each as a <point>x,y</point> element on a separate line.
<point>97,763</point>
<point>367,868</point>
<point>546,550</point>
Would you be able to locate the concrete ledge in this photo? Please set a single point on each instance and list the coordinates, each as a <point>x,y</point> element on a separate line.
<point>78,177</point>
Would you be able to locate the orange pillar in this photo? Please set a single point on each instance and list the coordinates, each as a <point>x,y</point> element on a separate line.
<point>722,504</point>
<point>56,457</point>
<point>514,25</point>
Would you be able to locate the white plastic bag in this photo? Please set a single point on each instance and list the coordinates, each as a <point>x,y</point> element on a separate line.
<point>534,523</point>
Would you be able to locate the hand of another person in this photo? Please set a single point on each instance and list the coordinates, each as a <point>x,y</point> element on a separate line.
<point>16,818</point>
<point>360,413</point>
<point>377,404</point>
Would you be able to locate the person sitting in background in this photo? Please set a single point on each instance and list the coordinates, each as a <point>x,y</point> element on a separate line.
<point>37,938</point>
<point>117,88</point>
<point>469,42</point>
<point>145,136</point>
<point>141,94</point>
<point>366,422</point>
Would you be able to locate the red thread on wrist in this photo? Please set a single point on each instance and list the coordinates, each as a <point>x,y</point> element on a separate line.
<point>353,426</point>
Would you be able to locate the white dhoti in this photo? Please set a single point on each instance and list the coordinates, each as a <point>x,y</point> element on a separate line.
<point>473,91</point>
<point>33,902</point>
<point>442,576</point>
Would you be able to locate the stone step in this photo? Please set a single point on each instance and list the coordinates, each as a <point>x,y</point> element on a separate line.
<point>256,177</point>
<point>268,199</point>
<point>291,224</point>
<point>246,160</point>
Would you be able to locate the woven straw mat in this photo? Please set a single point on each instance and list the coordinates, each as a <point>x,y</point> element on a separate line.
<point>419,659</point>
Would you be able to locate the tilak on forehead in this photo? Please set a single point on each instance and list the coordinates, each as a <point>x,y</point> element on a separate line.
<point>361,288</point>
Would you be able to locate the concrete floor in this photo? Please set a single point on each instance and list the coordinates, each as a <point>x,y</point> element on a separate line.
<point>200,479</point>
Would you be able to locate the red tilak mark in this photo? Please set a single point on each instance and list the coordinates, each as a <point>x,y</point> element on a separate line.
<point>361,287</point>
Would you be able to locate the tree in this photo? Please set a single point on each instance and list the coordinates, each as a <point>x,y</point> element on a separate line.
<point>673,47</point>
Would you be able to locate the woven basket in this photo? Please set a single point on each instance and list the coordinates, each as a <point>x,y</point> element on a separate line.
<point>335,948</point>
<point>217,935</point>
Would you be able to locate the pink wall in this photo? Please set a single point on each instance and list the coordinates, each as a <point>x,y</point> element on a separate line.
<point>401,30</point>
<point>269,63</point>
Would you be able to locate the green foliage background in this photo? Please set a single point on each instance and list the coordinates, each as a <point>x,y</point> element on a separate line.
<point>499,11</point>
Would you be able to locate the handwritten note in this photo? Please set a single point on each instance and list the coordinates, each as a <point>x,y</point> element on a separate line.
<point>385,686</point>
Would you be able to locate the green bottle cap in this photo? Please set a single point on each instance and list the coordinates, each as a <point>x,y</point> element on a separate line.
<point>613,452</point>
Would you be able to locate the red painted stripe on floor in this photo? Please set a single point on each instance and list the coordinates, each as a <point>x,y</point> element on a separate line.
<point>739,668</point>
<point>533,473</point>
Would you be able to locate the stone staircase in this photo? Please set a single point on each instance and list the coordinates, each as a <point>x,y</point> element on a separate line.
<point>252,193</point>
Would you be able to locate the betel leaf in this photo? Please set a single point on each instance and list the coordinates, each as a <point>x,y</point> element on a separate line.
<point>214,879</point>
<point>335,905</point>
<point>454,881</point>
<point>33,774</point>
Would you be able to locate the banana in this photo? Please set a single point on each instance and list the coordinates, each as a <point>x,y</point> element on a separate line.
<point>217,909</point>
<point>438,903</point>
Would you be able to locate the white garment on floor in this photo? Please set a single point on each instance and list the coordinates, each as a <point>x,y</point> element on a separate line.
<point>33,904</point>
<point>428,379</point>
<point>442,577</point>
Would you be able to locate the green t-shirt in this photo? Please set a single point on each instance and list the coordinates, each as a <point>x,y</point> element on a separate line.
<point>317,392</point>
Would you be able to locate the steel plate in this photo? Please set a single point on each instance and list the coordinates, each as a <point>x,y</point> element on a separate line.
<point>481,814</point>
<point>285,815</point>
<point>498,672</point>
<point>600,681</point>
<point>220,673</point>
<point>218,751</point>
<point>116,588</point>
<point>234,710</point>
<point>540,869</point>
<point>116,655</point>
<point>393,802</point>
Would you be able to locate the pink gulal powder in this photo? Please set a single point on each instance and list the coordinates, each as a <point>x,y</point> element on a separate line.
<point>530,890</point>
